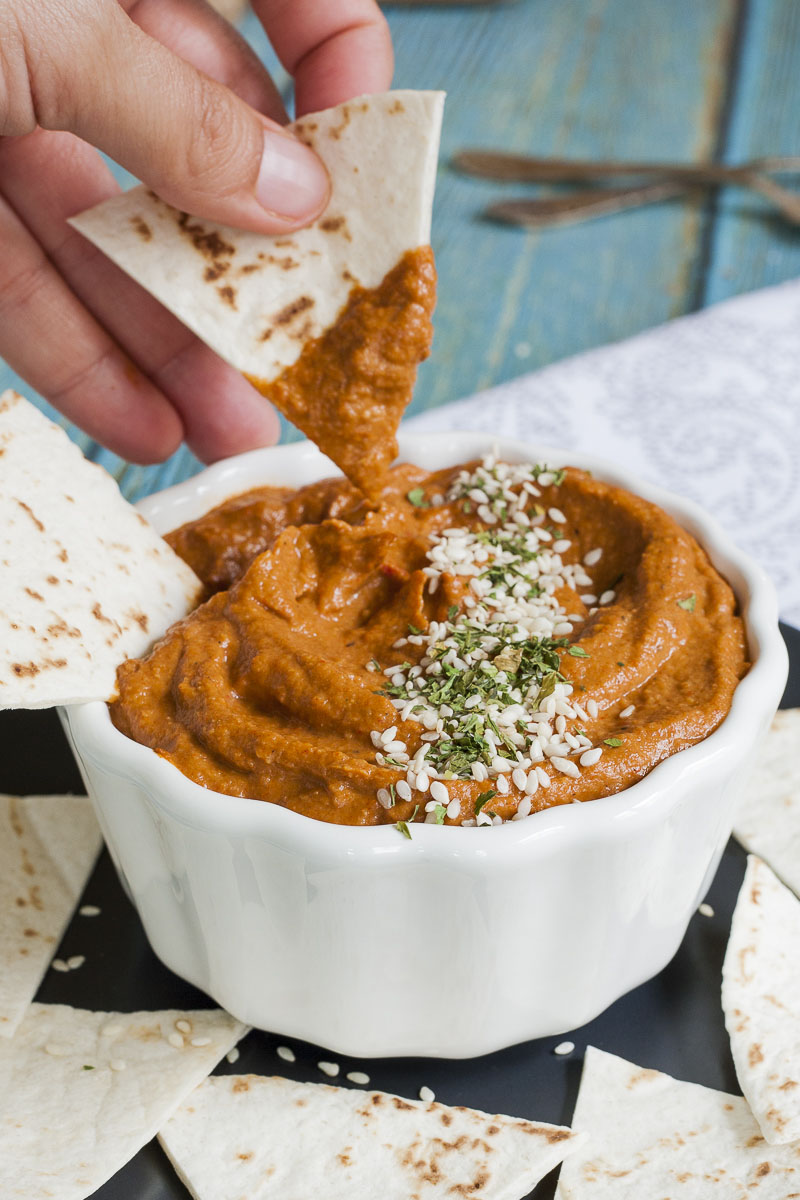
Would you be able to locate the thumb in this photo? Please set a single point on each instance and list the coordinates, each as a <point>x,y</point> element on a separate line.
<point>192,140</point>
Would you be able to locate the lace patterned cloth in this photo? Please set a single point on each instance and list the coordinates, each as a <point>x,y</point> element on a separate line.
<point>707,405</point>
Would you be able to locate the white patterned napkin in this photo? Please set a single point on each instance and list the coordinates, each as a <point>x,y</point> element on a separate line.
<point>707,406</point>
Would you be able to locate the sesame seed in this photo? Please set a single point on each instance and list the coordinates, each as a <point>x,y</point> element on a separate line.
<point>200,1041</point>
<point>607,597</point>
<point>176,1039</point>
<point>593,557</point>
<point>454,809</point>
<point>117,1064</point>
<point>439,792</point>
<point>555,514</point>
<point>384,797</point>
<point>502,785</point>
<point>233,1055</point>
<point>330,1069</point>
<point>706,910</point>
<point>589,598</point>
<point>564,1048</point>
<point>626,712</point>
<point>389,735</point>
<point>183,1025</point>
<point>403,790</point>
<point>89,910</point>
<point>590,757</point>
<point>75,961</point>
<point>519,778</point>
<point>427,1095</point>
<point>358,1077</point>
<point>285,1053</point>
<point>561,546</point>
<point>565,766</point>
<point>524,807</point>
<point>58,964</point>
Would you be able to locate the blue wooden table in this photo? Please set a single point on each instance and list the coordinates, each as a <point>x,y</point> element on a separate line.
<point>676,79</point>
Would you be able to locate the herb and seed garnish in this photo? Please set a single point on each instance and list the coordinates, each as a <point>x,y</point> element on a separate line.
<point>488,688</point>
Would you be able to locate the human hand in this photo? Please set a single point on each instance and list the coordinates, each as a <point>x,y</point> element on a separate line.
<point>169,90</point>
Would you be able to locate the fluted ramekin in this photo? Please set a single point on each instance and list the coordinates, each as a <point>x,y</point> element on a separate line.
<point>459,941</point>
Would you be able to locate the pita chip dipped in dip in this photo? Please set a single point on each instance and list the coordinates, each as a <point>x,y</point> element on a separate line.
<point>329,322</point>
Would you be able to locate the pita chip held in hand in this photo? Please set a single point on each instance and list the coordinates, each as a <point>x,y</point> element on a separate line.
<point>767,821</point>
<point>651,1136</point>
<point>261,301</point>
<point>85,581</point>
<point>272,1139</point>
<point>81,1092</point>
<point>48,846</point>
<point>761,1001</point>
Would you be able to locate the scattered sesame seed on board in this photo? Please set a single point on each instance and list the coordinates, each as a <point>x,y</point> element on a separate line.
<point>75,961</point>
<point>331,1069</point>
<point>285,1053</point>
<point>426,1094</point>
<point>58,964</point>
<point>705,910</point>
<point>233,1055</point>
<point>358,1077</point>
<point>89,910</point>
<point>564,1048</point>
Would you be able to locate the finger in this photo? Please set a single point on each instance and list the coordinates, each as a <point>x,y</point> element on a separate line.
<point>196,32</point>
<point>49,338</point>
<point>334,51</point>
<point>222,414</point>
<point>190,138</point>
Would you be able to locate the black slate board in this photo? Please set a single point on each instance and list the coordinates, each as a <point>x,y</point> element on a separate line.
<point>673,1023</point>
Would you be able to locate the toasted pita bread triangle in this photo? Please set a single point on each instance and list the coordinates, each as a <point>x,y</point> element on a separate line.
<point>652,1136</point>
<point>761,1001</point>
<point>255,1138</point>
<point>48,845</point>
<point>259,301</point>
<point>85,581</point>
<point>767,820</point>
<point>81,1092</point>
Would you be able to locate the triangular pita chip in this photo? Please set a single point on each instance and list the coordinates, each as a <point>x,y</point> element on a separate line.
<point>81,1092</point>
<point>85,580</point>
<point>767,821</point>
<point>761,1000</point>
<point>48,845</point>
<point>260,301</point>
<point>253,1138</point>
<point>653,1137</point>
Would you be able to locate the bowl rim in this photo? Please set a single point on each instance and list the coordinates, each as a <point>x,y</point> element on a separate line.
<point>648,801</point>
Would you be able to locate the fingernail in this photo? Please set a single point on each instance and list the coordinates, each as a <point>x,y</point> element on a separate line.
<point>292,182</point>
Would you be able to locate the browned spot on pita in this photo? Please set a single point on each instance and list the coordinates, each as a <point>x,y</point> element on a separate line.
<point>396,107</point>
<point>34,595</point>
<point>788,1085</point>
<point>142,228</point>
<point>293,310</point>
<point>775,1118</point>
<point>228,295</point>
<point>215,271</point>
<point>208,242</point>
<point>248,268</point>
<point>24,670</point>
<point>27,508</point>
<point>755,894</point>
<point>755,1055</point>
<point>53,580</point>
<point>402,1105</point>
<point>141,619</point>
<point>492,1130</point>
<point>446,1118</point>
<point>332,224</point>
<point>29,933</point>
<point>62,554</point>
<point>16,823</point>
<point>245,1155</point>
<point>24,951</point>
<point>745,950</point>
<point>99,615</point>
<point>470,1189</point>
<point>60,628</point>
<point>266,335</point>
<point>755,1140</point>
<point>281,242</point>
<point>377,1099</point>
<point>640,1076</point>
<point>21,902</point>
<point>344,1159</point>
<point>348,276</point>
<point>34,891</point>
<point>300,1103</point>
<point>763,1169</point>
<point>242,1085</point>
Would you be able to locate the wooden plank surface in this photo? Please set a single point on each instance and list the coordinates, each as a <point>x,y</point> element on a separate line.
<point>582,77</point>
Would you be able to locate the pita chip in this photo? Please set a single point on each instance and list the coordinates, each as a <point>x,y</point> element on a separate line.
<point>82,1092</point>
<point>85,580</point>
<point>246,1137</point>
<point>761,1001</point>
<point>653,1137</point>
<point>261,302</point>
<point>48,846</point>
<point>767,822</point>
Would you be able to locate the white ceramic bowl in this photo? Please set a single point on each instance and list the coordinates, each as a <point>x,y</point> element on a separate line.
<point>460,941</point>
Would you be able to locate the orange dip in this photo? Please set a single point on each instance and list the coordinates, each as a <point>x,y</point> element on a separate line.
<point>276,687</point>
<point>350,386</point>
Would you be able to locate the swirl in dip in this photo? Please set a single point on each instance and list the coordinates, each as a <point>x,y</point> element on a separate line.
<point>483,642</point>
